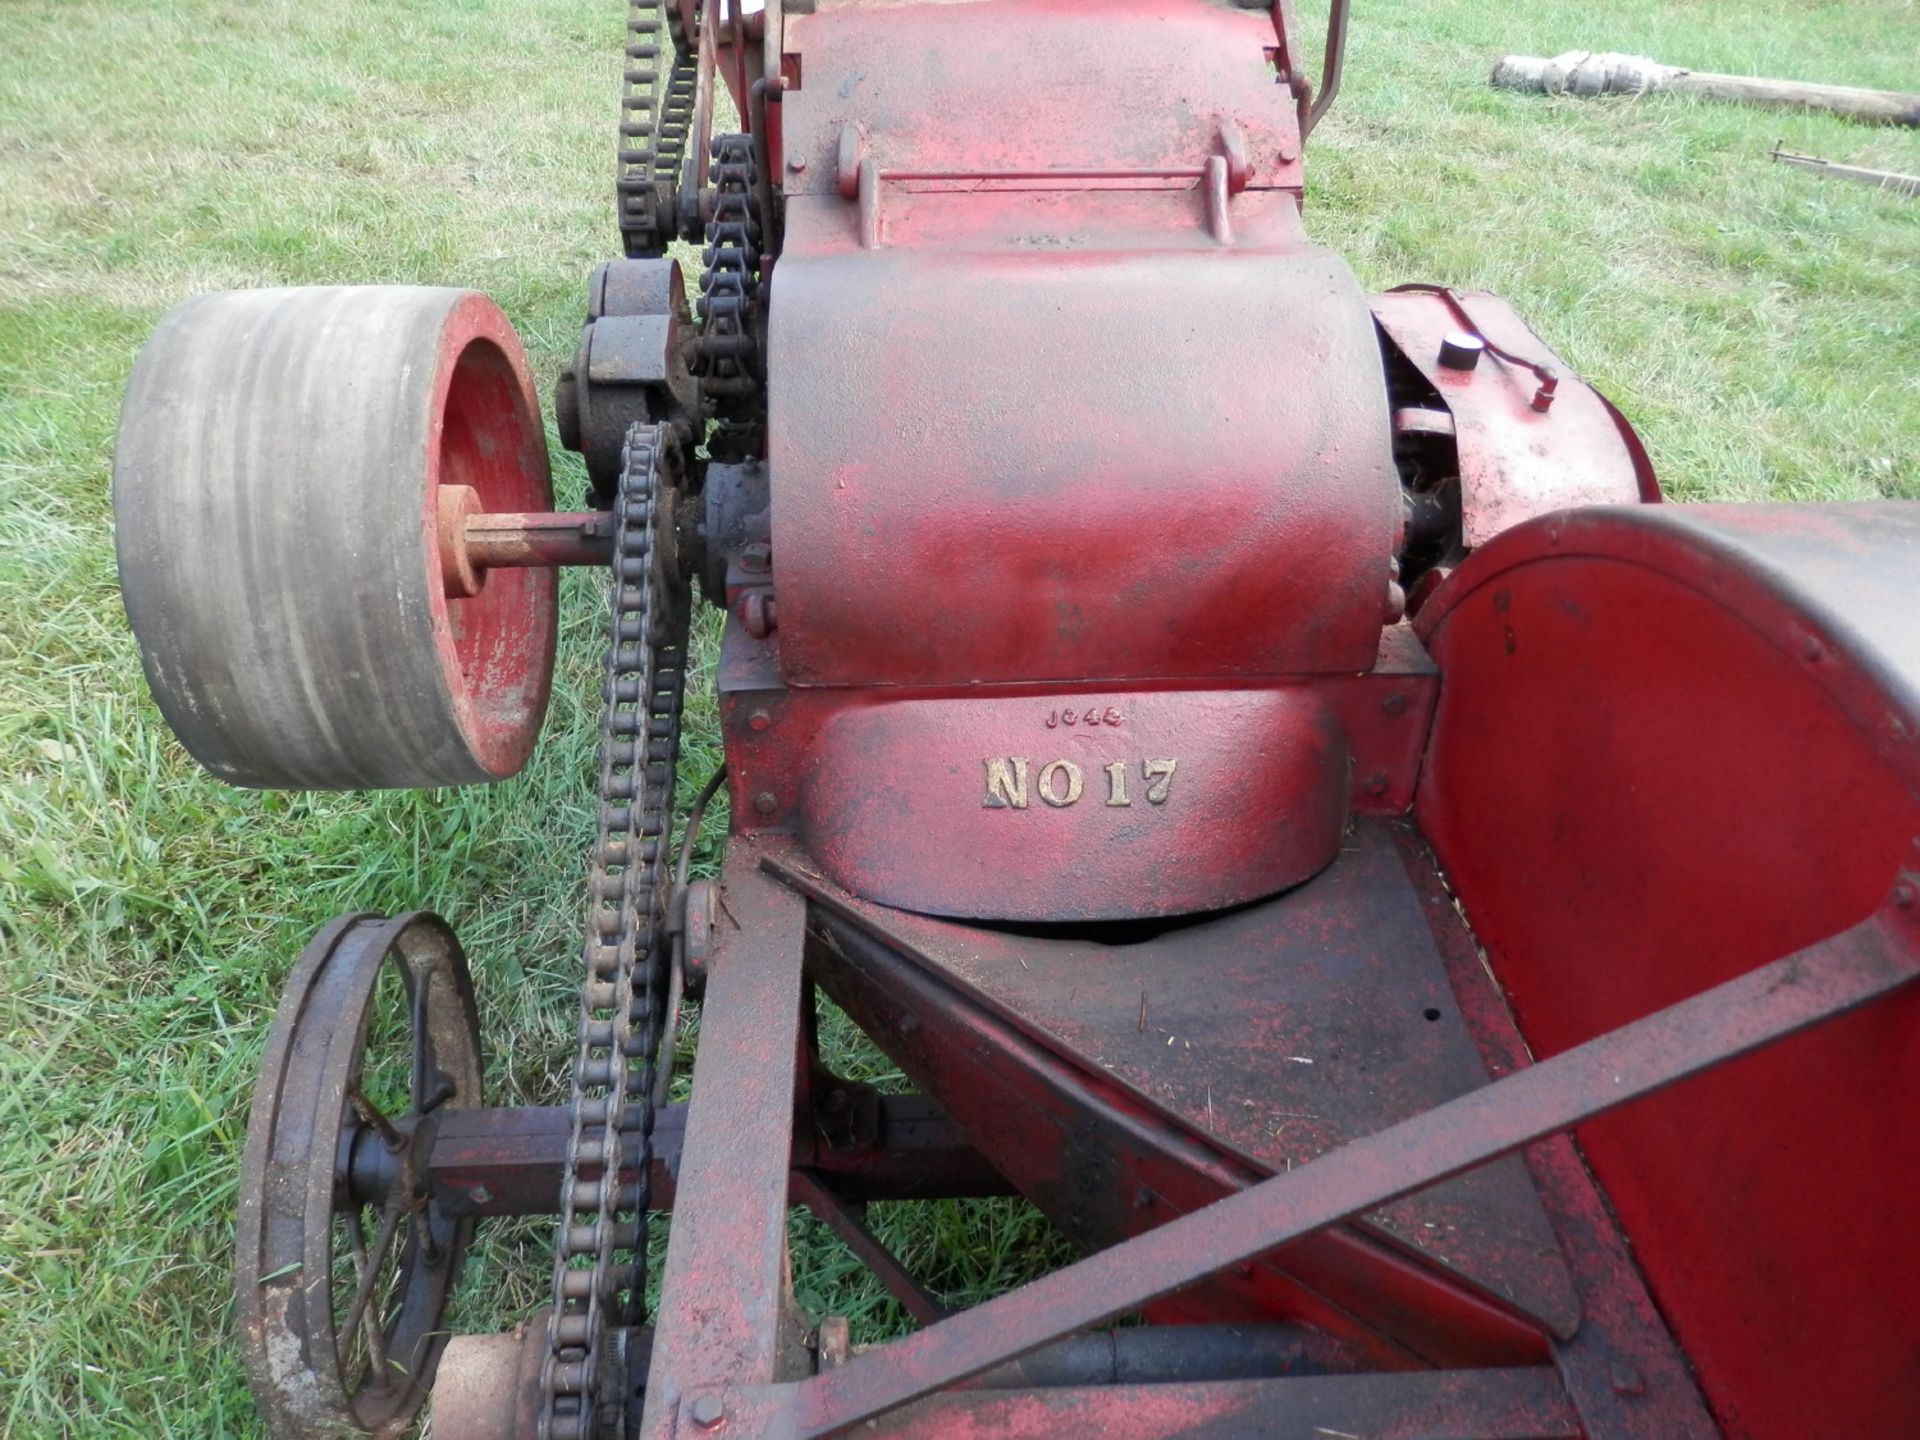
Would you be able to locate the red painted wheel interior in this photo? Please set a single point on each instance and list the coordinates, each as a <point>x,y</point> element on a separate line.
<point>496,647</point>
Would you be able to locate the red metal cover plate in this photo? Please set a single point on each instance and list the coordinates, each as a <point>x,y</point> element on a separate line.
<point>1515,462</point>
<point>1135,454</point>
<point>1077,809</point>
<point>1676,742</point>
<point>1018,85</point>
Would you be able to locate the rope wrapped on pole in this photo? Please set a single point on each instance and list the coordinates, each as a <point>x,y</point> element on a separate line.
<point>1594,72</point>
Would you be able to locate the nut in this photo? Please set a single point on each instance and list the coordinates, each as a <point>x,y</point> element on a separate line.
<point>757,612</point>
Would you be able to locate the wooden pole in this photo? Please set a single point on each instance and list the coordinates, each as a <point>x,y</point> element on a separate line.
<point>1586,72</point>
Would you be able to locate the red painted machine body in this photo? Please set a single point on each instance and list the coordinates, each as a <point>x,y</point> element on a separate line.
<point>1068,420</point>
<point>1438,931</point>
<point>1516,461</point>
<point>1090,479</point>
<point>1086,391</point>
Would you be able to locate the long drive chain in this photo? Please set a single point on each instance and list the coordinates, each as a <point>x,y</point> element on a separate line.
<point>656,114</point>
<point>600,1250</point>
<point>727,358</point>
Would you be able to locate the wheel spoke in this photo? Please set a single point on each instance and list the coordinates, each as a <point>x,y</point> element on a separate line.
<point>347,1360</point>
<point>373,1115</point>
<point>424,1245</point>
<point>369,1273</point>
<point>438,1093</point>
<point>364,1278</point>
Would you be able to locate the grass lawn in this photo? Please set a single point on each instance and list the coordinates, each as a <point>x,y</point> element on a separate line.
<point>1760,325</point>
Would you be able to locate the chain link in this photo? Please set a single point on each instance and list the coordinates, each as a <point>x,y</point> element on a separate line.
<point>656,114</point>
<point>727,359</point>
<point>600,1250</point>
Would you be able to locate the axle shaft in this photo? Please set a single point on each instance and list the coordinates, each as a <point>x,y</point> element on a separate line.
<point>473,541</point>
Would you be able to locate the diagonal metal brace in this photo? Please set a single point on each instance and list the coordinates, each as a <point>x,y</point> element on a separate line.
<point>1878,956</point>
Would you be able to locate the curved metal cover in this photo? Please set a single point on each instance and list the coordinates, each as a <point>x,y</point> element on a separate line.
<point>1674,743</point>
<point>1146,804</point>
<point>1070,436</point>
<point>1516,462</point>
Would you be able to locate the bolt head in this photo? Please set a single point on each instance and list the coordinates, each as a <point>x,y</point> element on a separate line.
<point>765,802</point>
<point>707,1411</point>
<point>480,1195</point>
<point>759,720</point>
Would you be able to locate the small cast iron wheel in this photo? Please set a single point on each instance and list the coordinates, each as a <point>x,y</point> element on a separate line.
<point>276,491</point>
<point>339,1297</point>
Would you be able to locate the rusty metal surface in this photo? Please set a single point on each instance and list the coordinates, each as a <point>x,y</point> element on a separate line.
<point>600,1246</point>
<point>1103,1166</point>
<point>1058,482</point>
<point>1692,727</point>
<point>870,821</point>
<point>851,1228</point>
<point>1871,960</point>
<point>566,538</point>
<point>506,1161</point>
<point>1136,1354</point>
<point>1517,1404</point>
<point>935,88</point>
<point>1622,1370</point>
<point>1331,66</point>
<point>321,1357</point>
<point>1278,1033</point>
<point>1189,801</point>
<point>724,1286</point>
<point>631,366</point>
<point>1516,461</point>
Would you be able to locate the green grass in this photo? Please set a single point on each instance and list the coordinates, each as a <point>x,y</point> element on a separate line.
<point>1760,325</point>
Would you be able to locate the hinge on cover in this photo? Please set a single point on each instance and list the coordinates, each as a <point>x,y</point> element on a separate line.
<point>1225,172</point>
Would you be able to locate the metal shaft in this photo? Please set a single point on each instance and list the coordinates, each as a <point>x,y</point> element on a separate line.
<point>583,537</point>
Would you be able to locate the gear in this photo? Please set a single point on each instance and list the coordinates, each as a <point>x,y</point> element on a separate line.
<point>599,1270</point>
